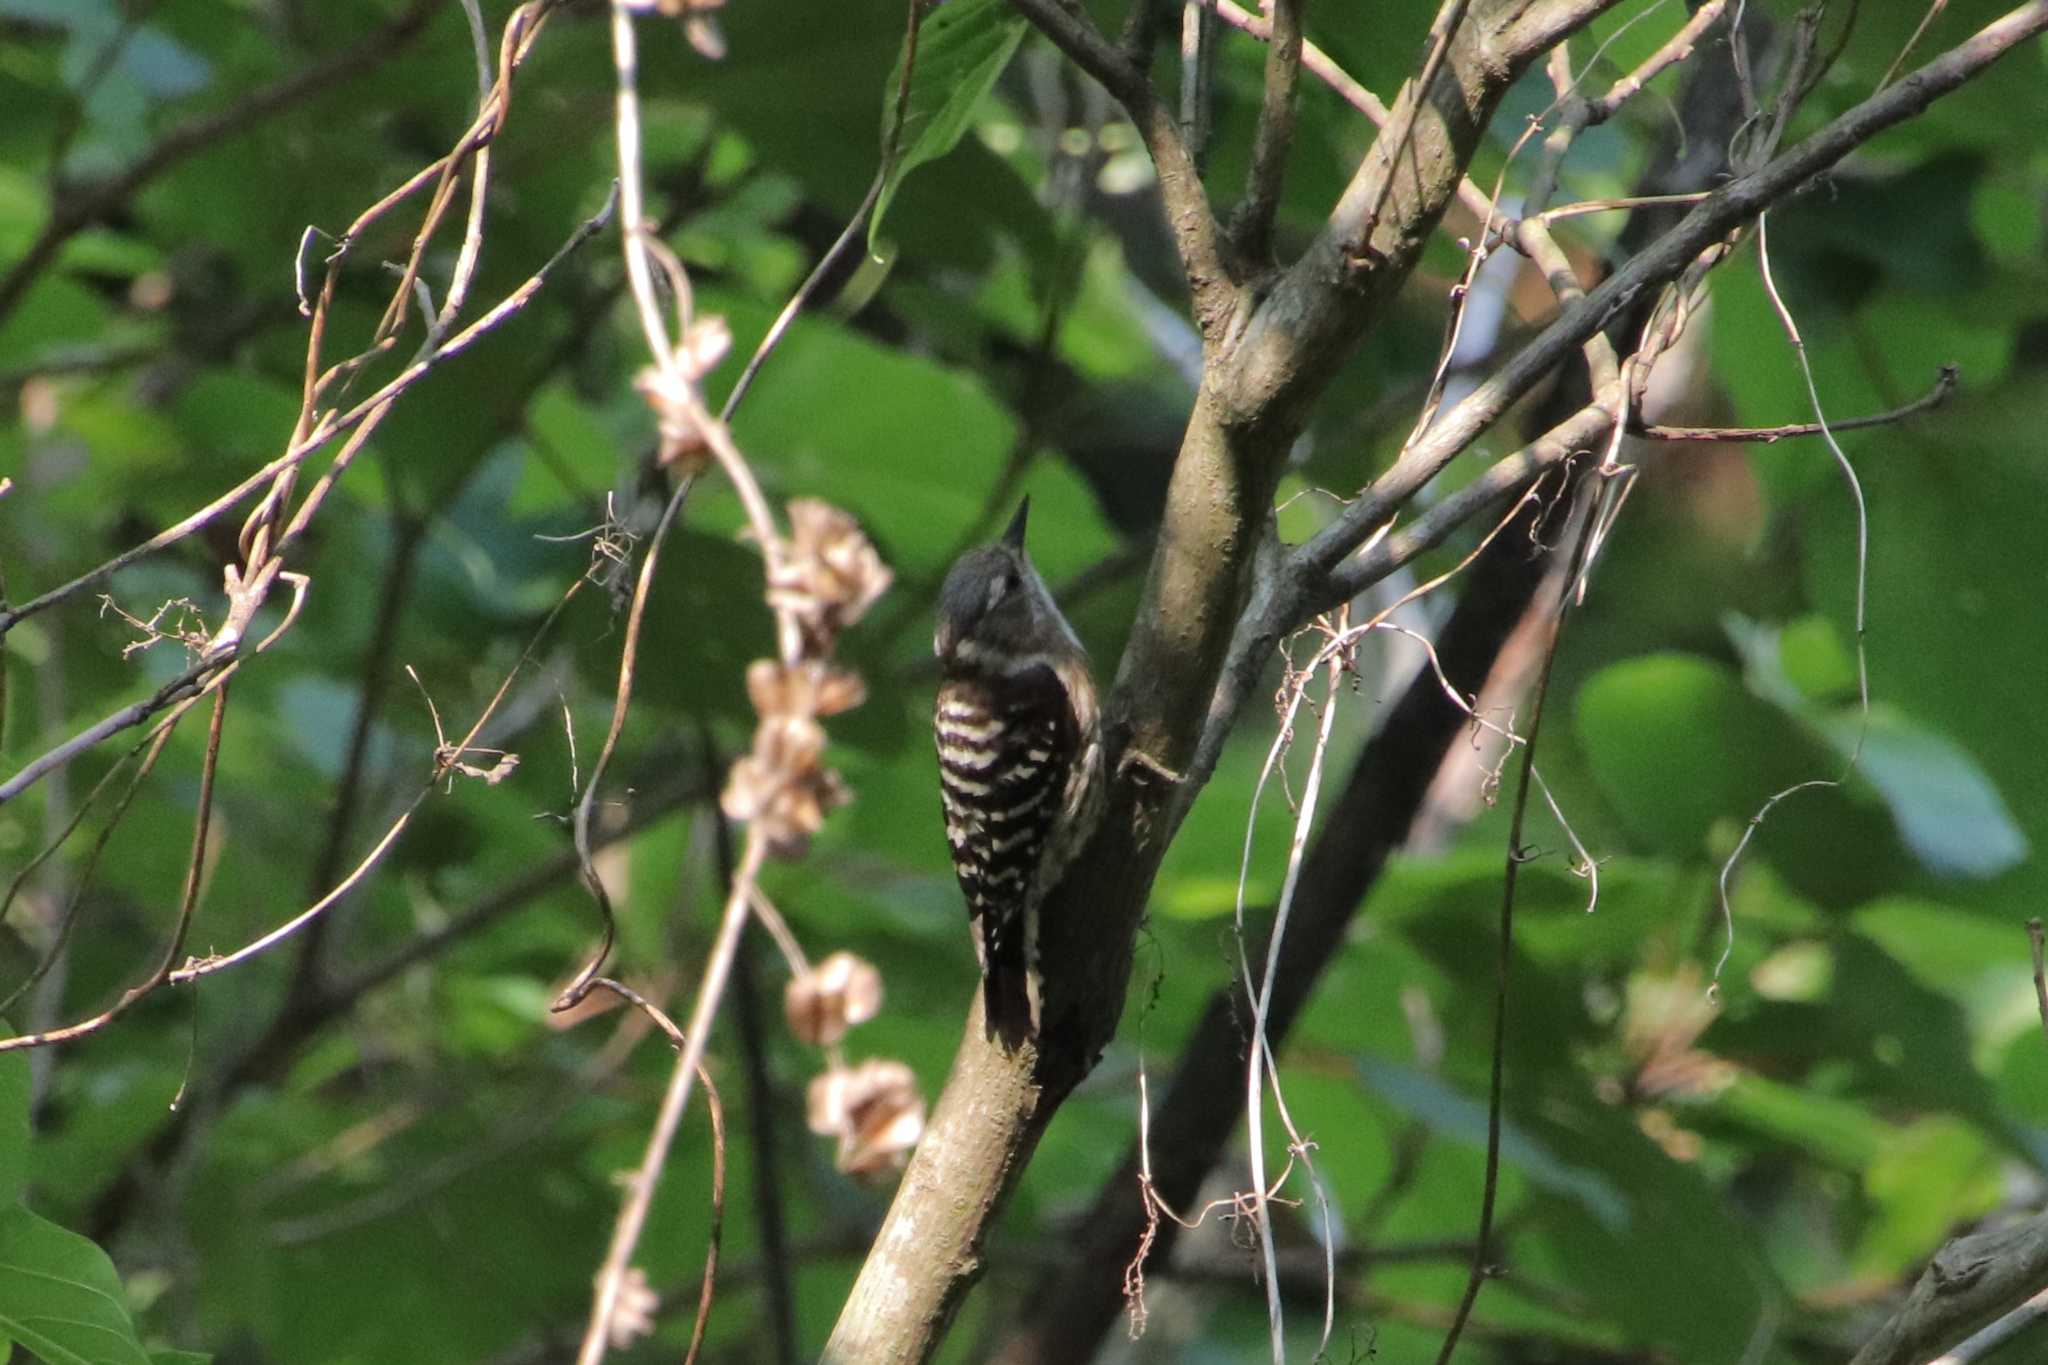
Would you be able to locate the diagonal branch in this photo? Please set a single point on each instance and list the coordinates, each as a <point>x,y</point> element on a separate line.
<point>1211,278</point>
<point>1075,1306</point>
<point>1970,1282</point>
<point>1307,584</point>
<point>1304,330</point>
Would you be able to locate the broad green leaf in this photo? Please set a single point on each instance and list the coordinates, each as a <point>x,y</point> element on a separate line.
<point>1934,1175</point>
<point>1831,1130</point>
<point>1459,1116</point>
<point>59,1295</point>
<point>959,50</point>
<point>14,1130</point>
<point>1947,810</point>
<point>1687,756</point>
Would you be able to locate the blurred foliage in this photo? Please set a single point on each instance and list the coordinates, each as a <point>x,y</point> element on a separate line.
<point>427,1174</point>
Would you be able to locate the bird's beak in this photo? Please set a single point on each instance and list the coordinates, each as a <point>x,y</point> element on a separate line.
<point>1014,537</point>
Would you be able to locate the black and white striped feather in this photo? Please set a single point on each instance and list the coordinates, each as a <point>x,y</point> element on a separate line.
<point>1019,754</point>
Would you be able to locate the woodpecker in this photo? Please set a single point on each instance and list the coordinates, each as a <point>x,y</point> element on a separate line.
<point>1020,760</point>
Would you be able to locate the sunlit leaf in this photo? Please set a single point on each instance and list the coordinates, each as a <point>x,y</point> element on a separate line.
<point>961,48</point>
<point>59,1295</point>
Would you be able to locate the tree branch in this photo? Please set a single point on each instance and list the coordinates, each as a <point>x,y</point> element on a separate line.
<point>1254,398</point>
<point>1073,1308</point>
<point>1944,388</point>
<point>1972,1281</point>
<point>1199,237</point>
<point>1727,209</point>
<point>1305,329</point>
<point>1252,227</point>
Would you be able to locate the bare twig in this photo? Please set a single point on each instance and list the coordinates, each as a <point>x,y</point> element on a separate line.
<point>320,435</point>
<point>1324,68</point>
<point>1516,856</point>
<point>446,757</point>
<point>640,1186</point>
<point>1674,51</point>
<point>761,1115</point>
<point>1395,138</point>
<point>650,1172</point>
<point>622,701</point>
<point>151,749</point>
<point>1944,388</point>
<point>1200,239</point>
<point>195,875</point>
<point>1729,207</point>
<point>186,685</point>
<point>1855,485</point>
<point>1261,993</point>
<point>2034,941</point>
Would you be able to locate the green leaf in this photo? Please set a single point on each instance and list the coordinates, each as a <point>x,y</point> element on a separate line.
<point>1686,755</point>
<point>1458,1116</point>
<point>960,51</point>
<point>1934,1174</point>
<point>59,1296</point>
<point>14,1087</point>
<point>1835,1131</point>
<point>180,1358</point>
<point>1948,811</point>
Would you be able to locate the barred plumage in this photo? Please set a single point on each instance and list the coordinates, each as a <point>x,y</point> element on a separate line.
<point>1015,729</point>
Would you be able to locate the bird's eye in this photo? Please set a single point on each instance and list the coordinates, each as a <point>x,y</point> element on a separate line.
<point>1005,584</point>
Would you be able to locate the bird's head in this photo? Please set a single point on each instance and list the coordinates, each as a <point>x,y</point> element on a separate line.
<point>994,604</point>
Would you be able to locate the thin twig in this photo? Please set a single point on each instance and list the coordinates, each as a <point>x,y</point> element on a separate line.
<point>764,1122</point>
<point>1944,388</point>
<point>640,1186</point>
<point>1324,68</point>
<point>622,701</point>
<point>1849,765</point>
<point>152,749</point>
<point>195,878</point>
<point>1516,856</point>
<point>322,433</point>
<point>1200,240</point>
<point>445,758</point>
<point>1262,994</point>
<point>2034,941</point>
<point>1729,207</point>
<point>187,684</point>
<point>1675,50</point>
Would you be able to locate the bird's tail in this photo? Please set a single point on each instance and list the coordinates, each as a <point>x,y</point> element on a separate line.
<point>1009,990</point>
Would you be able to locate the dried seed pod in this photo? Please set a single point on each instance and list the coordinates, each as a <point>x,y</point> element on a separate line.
<point>830,998</point>
<point>634,1314</point>
<point>874,1111</point>
<point>782,787</point>
<point>811,688</point>
<point>831,575</point>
